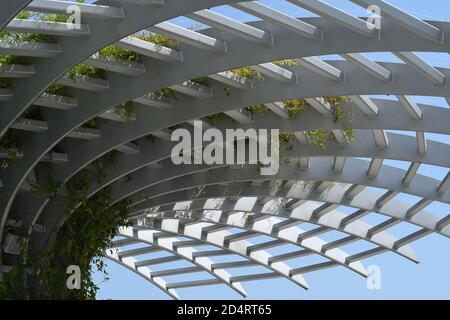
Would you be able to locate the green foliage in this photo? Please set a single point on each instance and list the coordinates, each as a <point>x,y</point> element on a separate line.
<point>81,241</point>
<point>120,53</point>
<point>8,143</point>
<point>49,190</point>
<point>249,220</point>
<point>166,92</point>
<point>295,107</point>
<point>33,112</point>
<point>60,90</point>
<point>158,39</point>
<point>248,73</point>
<point>319,137</point>
<point>286,137</point>
<point>8,60</point>
<point>92,123</point>
<point>125,110</point>
<point>90,224</point>
<point>258,108</point>
<point>285,63</point>
<point>349,134</point>
<point>86,70</point>
<point>19,37</point>
<point>212,119</point>
<point>338,113</point>
<point>202,80</point>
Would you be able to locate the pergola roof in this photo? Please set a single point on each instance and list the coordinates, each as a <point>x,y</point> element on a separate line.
<point>183,201</point>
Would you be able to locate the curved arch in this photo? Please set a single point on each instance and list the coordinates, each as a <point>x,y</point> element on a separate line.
<point>236,245</point>
<point>75,52</point>
<point>261,258</point>
<point>37,151</point>
<point>276,37</point>
<point>321,171</point>
<point>127,132</point>
<point>357,229</point>
<point>402,148</point>
<point>187,255</point>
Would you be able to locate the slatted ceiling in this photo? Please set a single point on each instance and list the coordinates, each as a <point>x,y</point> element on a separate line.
<point>321,186</point>
<point>232,26</point>
<point>121,66</point>
<point>153,3</point>
<point>311,233</point>
<point>338,164</point>
<point>241,116</point>
<point>410,106</point>
<point>275,72</point>
<point>152,100</point>
<point>411,172</point>
<point>339,243</point>
<point>336,15</point>
<point>279,109</point>
<point>231,79</point>
<point>285,21</point>
<point>371,110</point>
<point>193,89</point>
<point>150,50</point>
<point>30,125</point>
<point>421,143</point>
<point>320,105</point>
<point>321,67</point>
<point>374,167</point>
<point>56,101</point>
<point>265,245</point>
<point>36,50</point>
<point>445,184</point>
<point>386,197</point>
<point>353,191</point>
<point>16,71</point>
<point>383,226</point>
<point>339,136</point>
<point>233,264</point>
<point>210,253</point>
<point>289,256</point>
<point>137,252</point>
<point>319,266</point>
<point>422,67</point>
<point>291,205</point>
<point>48,28</point>
<point>301,137</point>
<point>443,223</point>
<point>85,83</point>
<point>285,224</point>
<point>404,19</point>
<point>365,254</point>
<point>381,138</point>
<point>240,236</point>
<point>85,133</point>
<point>366,105</point>
<point>163,134</point>
<point>323,210</point>
<point>87,10</point>
<point>412,237</point>
<point>189,37</point>
<point>369,65</point>
<point>328,233</point>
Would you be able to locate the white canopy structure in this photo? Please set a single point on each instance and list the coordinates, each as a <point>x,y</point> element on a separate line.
<point>195,211</point>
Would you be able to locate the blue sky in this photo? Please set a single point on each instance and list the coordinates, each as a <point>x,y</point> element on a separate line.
<point>400,279</point>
